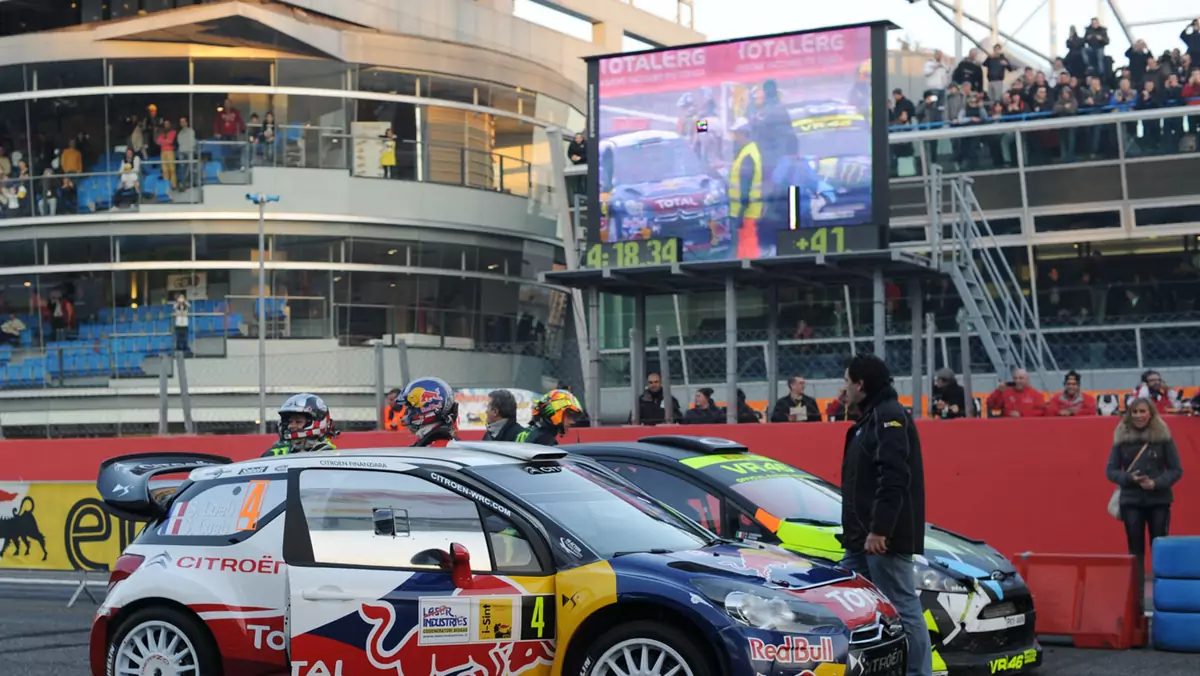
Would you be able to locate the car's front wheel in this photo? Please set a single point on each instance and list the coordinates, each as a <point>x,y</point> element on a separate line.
<point>645,648</point>
<point>162,642</point>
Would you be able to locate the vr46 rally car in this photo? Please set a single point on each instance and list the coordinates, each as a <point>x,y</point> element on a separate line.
<point>979,611</point>
<point>478,559</point>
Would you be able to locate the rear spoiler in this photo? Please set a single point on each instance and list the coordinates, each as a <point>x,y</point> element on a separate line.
<point>124,482</point>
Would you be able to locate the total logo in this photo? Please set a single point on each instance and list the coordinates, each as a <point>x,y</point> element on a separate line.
<point>793,650</point>
<point>676,202</point>
<point>318,668</point>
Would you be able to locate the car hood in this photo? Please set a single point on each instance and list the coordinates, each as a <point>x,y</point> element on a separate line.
<point>957,555</point>
<point>962,555</point>
<point>767,566</point>
<point>672,187</point>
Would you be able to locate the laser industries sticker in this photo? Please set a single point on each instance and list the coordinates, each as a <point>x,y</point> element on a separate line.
<point>445,619</point>
<point>494,619</point>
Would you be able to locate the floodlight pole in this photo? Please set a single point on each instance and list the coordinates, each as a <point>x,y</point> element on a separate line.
<point>261,200</point>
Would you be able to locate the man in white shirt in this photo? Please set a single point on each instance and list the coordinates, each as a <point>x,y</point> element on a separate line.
<point>937,76</point>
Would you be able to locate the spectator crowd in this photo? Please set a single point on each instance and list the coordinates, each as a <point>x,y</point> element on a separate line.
<point>1015,398</point>
<point>978,91</point>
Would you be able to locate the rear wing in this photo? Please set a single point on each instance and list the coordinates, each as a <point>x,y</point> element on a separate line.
<point>125,486</point>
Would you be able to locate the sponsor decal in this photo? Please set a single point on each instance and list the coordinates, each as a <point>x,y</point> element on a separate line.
<point>145,467</point>
<point>543,469</point>
<point>318,668</point>
<point>573,599</point>
<point>494,619</point>
<point>265,565</point>
<point>570,546</point>
<point>1014,663</point>
<point>893,423</point>
<point>471,493</point>
<point>865,664</point>
<point>765,564</point>
<point>263,634</point>
<point>253,469</point>
<point>411,656</point>
<point>856,599</point>
<point>121,490</point>
<point>359,464</point>
<point>676,202</point>
<point>793,650</point>
<point>444,620</point>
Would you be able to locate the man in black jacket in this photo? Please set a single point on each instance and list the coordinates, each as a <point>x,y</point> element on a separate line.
<point>651,409</point>
<point>883,499</point>
<point>795,406</point>
<point>502,422</point>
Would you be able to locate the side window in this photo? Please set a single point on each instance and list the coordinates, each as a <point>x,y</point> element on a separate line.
<point>686,497</point>
<point>339,506</point>
<point>221,509</point>
<point>746,528</point>
<point>512,551</point>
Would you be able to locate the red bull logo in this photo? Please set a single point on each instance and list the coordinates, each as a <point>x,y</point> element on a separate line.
<point>764,564</point>
<point>793,650</point>
<point>464,658</point>
<point>419,397</point>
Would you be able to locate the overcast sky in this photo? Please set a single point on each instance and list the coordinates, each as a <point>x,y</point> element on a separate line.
<point>724,19</point>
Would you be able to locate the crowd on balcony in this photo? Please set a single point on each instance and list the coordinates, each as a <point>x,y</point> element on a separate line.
<point>980,89</point>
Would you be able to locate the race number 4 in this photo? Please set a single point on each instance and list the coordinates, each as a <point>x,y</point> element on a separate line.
<point>538,617</point>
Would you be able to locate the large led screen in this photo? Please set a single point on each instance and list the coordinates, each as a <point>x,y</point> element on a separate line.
<point>727,145</point>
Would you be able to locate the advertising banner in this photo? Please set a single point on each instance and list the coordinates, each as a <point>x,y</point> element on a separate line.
<point>59,526</point>
<point>725,146</point>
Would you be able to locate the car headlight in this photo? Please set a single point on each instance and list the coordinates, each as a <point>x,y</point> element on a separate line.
<point>634,208</point>
<point>715,197</point>
<point>932,579</point>
<point>768,608</point>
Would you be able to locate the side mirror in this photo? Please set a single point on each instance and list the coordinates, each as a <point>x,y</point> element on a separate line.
<point>460,566</point>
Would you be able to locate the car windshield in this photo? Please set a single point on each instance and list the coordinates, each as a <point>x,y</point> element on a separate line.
<point>655,162</point>
<point>778,488</point>
<point>603,514</point>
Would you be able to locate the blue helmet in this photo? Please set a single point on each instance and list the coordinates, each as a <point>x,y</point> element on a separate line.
<point>427,401</point>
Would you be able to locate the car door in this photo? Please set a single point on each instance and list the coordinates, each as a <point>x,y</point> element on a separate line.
<point>410,573</point>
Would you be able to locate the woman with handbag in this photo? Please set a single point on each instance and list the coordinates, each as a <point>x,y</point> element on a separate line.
<point>1144,464</point>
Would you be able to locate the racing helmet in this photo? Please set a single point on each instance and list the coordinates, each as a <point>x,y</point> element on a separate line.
<point>427,401</point>
<point>556,406</point>
<point>317,426</point>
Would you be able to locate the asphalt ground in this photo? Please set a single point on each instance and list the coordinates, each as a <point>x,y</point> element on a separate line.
<point>40,636</point>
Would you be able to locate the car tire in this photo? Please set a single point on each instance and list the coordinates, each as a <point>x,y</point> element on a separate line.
<point>646,635</point>
<point>167,628</point>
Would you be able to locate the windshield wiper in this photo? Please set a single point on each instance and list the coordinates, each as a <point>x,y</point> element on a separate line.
<point>656,550</point>
<point>811,522</point>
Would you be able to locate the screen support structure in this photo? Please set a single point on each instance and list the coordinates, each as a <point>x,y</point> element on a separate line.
<point>879,316</point>
<point>918,382</point>
<point>731,317</point>
<point>558,166</point>
<point>772,345</point>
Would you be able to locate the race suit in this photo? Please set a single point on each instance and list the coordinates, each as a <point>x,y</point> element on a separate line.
<point>539,433</point>
<point>437,437</point>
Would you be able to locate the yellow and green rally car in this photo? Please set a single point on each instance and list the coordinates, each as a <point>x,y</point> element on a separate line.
<point>979,611</point>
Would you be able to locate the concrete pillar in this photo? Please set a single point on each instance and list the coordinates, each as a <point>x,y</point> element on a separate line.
<point>608,37</point>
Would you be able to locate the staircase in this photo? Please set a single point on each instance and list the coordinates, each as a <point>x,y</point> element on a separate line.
<point>991,294</point>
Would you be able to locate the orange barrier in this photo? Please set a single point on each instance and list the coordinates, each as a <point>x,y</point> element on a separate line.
<point>1091,598</point>
<point>1023,485</point>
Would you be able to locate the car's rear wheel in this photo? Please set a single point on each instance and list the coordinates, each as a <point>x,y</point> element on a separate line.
<point>162,642</point>
<point>645,648</point>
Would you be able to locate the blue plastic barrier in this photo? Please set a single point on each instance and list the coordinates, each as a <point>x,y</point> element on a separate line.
<point>1176,624</point>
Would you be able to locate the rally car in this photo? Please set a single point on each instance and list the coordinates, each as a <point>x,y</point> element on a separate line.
<point>979,611</point>
<point>478,559</point>
<point>653,184</point>
<point>838,139</point>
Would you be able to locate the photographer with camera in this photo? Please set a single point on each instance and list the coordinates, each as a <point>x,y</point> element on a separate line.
<point>1016,398</point>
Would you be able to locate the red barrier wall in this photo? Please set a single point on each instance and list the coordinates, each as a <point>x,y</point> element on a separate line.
<point>1023,485</point>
